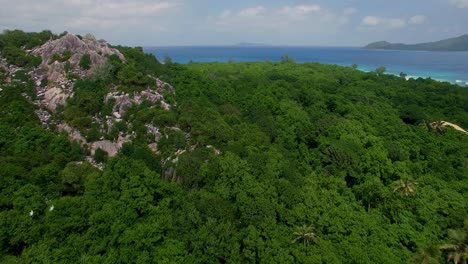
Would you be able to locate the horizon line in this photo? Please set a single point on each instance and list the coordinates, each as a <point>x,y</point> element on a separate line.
<point>248,46</point>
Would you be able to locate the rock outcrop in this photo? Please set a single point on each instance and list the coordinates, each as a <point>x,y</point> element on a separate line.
<point>111,147</point>
<point>54,81</point>
<point>97,49</point>
<point>59,86</point>
<point>72,133</point>
<point>123,101</point>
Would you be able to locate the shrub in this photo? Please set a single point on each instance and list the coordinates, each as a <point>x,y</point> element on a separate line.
<point>100,155</point>
<point>55,57</point>
<point>85,62</point>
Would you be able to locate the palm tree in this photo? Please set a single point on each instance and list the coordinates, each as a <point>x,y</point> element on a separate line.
<point>406,187</point>
<point>457,249</point>
<point>427,124</point>
<point>437,126</point>
<point>306,234</point>
<point>429,255</point>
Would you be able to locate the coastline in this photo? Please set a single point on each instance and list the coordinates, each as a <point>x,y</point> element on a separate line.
<point>461,83</point>
<point>448,67</point>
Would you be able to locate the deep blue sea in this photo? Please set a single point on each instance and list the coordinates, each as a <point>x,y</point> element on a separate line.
<point>443,66</point>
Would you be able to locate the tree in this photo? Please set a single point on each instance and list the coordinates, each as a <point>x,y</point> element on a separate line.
<point>100,155</point>
<point>167,60</point>
<point>405,187</point>
<point>19,57</point>
<point>429,255</point>
<point>437,127</point>
<point>403,75</point>
<point>305,234</point>
<point>354,66</point>
<point>129,74</point>
<point>457,249</point>
<point>102,72</point>
<point>380,70</point>
<point>85,62</point>
<point>287,59</point>
<point>73,178</point>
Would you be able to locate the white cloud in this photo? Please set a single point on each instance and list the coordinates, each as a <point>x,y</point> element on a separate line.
<point>104,18</point>
<point>460,3</point>
<point>417,20</point>
<point>285,20</point>
<point>381,22</point>
<point>252,12</point>
<point>371,21</point>
<point>299,10</point>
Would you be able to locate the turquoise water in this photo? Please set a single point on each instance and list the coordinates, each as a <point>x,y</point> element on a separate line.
<point>443,66</point>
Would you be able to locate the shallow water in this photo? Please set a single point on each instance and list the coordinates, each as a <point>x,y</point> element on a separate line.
<point>444,66</point>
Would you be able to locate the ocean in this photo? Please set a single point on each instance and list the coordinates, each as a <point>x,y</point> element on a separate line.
<point>443,66</point>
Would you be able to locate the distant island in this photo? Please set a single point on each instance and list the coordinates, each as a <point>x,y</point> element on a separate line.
<point>451,44</point>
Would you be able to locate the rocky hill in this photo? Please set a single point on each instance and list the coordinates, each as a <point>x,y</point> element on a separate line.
<point>63,56</point>
<point>71,59</point>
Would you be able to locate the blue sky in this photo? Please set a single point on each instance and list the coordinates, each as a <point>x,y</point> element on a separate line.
<point>221,22</point>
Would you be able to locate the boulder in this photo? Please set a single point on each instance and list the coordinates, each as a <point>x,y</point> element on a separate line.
<point>106,145</point>
<point>54,97</point>
<point>112,148</point>
<point>73,134</point>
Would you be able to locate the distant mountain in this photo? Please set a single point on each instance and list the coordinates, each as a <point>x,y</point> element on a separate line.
<point>451,44</point>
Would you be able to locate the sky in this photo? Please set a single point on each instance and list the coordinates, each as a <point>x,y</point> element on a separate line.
<point>226,22</point>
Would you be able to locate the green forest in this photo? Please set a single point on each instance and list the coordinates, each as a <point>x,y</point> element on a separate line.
<point>278,163</point>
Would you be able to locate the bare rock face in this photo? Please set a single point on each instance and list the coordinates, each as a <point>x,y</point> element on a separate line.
<point>55,96</point>
<point>98,50</point>
<point>106,145</point>
<point>59,88</point>
<point>123,101</point>
<point>164,86</point>
<point>112,148</point>
<point>73,133</point>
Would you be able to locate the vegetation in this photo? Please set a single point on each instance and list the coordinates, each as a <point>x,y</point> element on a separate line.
<point>380,70</point>
<point>100,155</point>
<point>277,163</point>
<point>61,57</point>
<point>27,40</point>
<point>305,234</point>
<point>457,250</point>
<point>85,62</point>
<point>13,44</point>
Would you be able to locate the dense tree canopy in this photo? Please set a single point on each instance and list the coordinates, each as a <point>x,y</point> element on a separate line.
<point>281,163</point>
